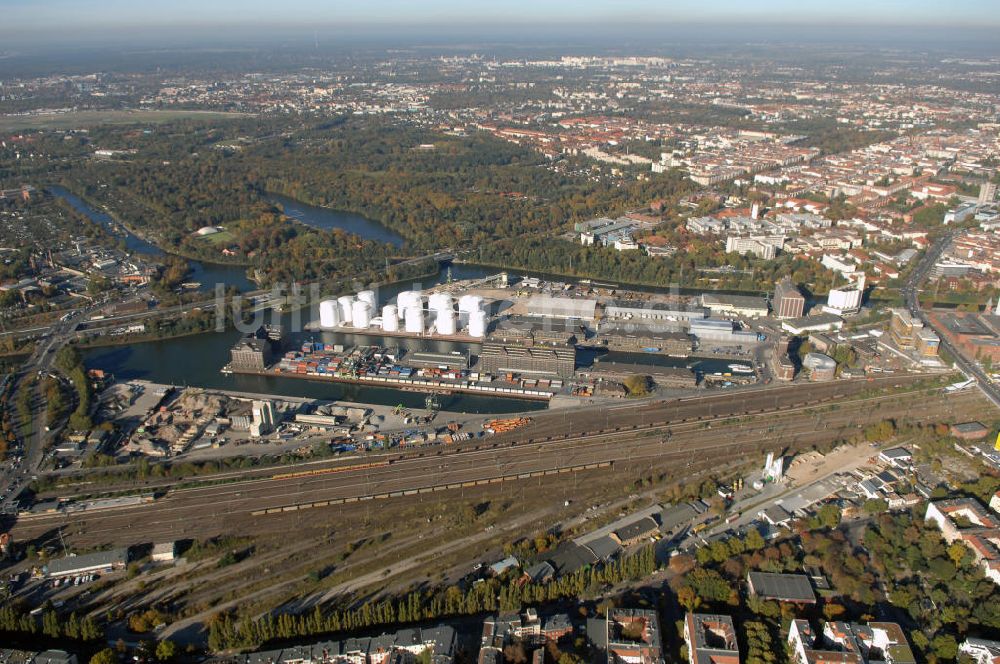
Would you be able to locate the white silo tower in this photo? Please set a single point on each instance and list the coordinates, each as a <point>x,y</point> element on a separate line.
<point>414,320</point>
<point>346,303</point>
<point>329,314</point>
<point>441,302</point>
<point>407,299</point>
<point>466,305</point>
<point>445,322</point>
<point>390,318</point>
<point>477,324</point>
<point>361,314</point>
<point>469,303</point>
<point>367,296</point>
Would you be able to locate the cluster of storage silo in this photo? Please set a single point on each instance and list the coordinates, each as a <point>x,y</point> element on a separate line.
<point>347,310</point>
<point>408,313</point>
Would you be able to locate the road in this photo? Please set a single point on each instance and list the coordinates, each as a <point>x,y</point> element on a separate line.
<point>41,362</point>
<point>911,291</point>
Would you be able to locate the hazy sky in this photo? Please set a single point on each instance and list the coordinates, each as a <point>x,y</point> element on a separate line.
<point>59,15</point>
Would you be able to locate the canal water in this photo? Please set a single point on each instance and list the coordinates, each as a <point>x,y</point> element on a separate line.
<point>330,219</point>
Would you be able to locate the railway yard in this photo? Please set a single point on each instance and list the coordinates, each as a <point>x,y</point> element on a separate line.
<point>380,522</point>
<point>554,443</point>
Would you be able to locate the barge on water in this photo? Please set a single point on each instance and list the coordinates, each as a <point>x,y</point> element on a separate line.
<point>378,366</point>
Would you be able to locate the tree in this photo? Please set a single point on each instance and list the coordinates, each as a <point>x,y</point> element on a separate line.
<point>829,516</point>
<point>832,611</point>
<point>957,552</point>
<point>687,598</point>
<point>754,541</point>
<point>875,505</point>
<point>106,656</point>
<point>637,385</point>
<point>166,651</point>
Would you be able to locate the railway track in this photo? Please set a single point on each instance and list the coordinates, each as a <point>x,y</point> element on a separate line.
<point>237,505</point>
<point>556,425</point>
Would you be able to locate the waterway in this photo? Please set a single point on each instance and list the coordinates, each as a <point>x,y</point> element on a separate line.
<point>330,219</point>
<point>204,273</point>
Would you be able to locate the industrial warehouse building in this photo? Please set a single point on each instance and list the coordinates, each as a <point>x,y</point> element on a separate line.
<point>561,307</point>
<point>636,338</point>
<point>813,323</point>
<point>525,356</point>
<point>251,353</point>
<point>788,301</point>
<point>722,331</point>
<point>651,311</point>
<point>454,361</point>
<point>782,587</point>
<point>747,306</point>
<point>101,561</point>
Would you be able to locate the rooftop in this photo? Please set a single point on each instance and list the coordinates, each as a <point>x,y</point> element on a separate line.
<point>782,587</point>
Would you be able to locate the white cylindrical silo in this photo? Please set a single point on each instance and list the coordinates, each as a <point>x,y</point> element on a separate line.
<point>469,303</point>
<point>390,318</point>
<point>445,322</point>
<point>361,314</point>
<point>367,296</point>
<point>414,320</point>
<point>409,298</point>
<point>477,324</point>
<point>441,302</point>
<point>329,314</point>
<point>346,303</point>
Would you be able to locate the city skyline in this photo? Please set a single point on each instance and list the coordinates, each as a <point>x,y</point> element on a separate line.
<point>56,15</point>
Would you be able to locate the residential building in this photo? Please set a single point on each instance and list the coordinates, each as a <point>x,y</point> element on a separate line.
<point>849,643</point>
<point>402,647</point>
<point>982,651</point>
<point>965,520</point>
<point>761,246</point>
<point>711,639</point>
<point>628,636</point>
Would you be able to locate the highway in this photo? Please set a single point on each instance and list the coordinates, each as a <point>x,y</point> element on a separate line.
<point>911,291</point>
<point>230,508</point>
